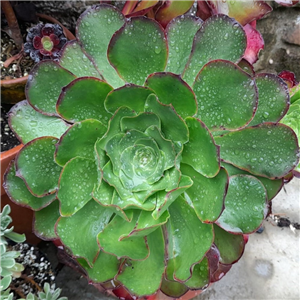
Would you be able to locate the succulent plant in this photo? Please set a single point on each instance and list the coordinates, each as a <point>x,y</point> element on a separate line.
<point>9,267</point>
<point>46,294</point>
<point>151,153</point>
<point>44,41</point>
<point>292,117</point>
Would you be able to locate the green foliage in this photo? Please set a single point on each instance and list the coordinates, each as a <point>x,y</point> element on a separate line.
<point>142,197</point>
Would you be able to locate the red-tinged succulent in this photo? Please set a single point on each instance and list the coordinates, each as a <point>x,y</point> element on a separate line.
<point>151,153</point>
<point>287,2</point>
<point>44,41</point>
<point>246,13</point>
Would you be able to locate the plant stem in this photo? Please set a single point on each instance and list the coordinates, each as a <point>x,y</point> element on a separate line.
<point>14,29</point>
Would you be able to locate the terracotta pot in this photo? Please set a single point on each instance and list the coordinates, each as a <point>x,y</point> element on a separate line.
<point>12,90</point>
<point>22,217</point>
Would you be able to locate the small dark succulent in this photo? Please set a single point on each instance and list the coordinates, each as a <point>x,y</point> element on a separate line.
<point>44,41</point>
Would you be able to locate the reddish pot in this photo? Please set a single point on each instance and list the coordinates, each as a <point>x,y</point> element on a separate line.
<point>22,217</point>
<point>12,90</point>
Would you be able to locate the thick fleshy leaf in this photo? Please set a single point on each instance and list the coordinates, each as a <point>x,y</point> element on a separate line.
<point>220,37</point>
<point>105,267</point>
<point>200,276</point>
<point>86,134</point>
<point>94,29</point>
<point>295,93</point>
<point>134,248</point>
<point>245,205</point>
<point>172,125</point>
<point>273,100</point>
<point>147,224</point>
<point>221,88</point>
<point>140,122</point>
<point>104,194</point>
<point>231,246</point>
<point>255,43</point>
<point>201,152</point>
<point>173,288</point>
<point>165,199</point>
<point>76,184</point>
<point>36,166</point>
<point>180,34</point>
<point>45,220</point>
<point>268,150</point>
<point>171,9</point>
<point>191,238</point>
<point>164,145</point>
<point>246,66</point>
<point>273,187</point>
<point>41,96</point>
<point>75,60</point>
<point>130,95</point>
<point>84,99</point>
<point>243,11</point>
<point>114,125</point>
<point>147,52</point>
<point>144,277</point>
<point>18,192</point>
<point>171,89</point>
<point>29,124</point>
<point>141,8</point>
<point>79,232</point>
<point>206,194</point>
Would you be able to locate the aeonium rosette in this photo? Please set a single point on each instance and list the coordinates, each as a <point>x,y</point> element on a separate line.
<point>150,153</point>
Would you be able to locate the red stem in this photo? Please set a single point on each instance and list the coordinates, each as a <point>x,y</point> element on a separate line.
<point>13,25</point>
<point>129,7</point>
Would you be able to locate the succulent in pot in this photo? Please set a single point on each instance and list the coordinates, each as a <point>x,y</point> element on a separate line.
<point>151,149</point>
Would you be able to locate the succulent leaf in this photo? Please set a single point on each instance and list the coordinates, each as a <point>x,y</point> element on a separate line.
<point>259,149</point>
<point>208,204</point>
<point>200,276</point>
<point>86,134</point>
<point>201,152</point>
<point>133,272</point>
<point>18,192</point>
<point>188,247</point>
<point>43,97</point>
<point>29,124</point>
<point>104,268</point>
<point>273,99</point>
<point>245,205</point>
<point>109,239</point>
<point>219,80</point>
<point>45,220</point>
<point>92,219</point>
<point>180,34</point>
<point>220,37</point>
<point>40,153</point>
<point>94,29</point>
<point>148,53</point>
<point>84,99</point>
<point>231,246</point>
<point>170,88</point>
<point>76,183</point>
<point>74,59</point>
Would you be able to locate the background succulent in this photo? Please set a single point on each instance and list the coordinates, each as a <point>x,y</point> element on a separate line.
<point>44,41</point>
<point>151,149</point>
<point>9,266</point>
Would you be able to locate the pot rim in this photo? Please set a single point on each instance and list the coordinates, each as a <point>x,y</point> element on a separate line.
<point>5,158</point>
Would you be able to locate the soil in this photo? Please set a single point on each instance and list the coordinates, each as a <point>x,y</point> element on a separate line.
<point>8,138</point>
